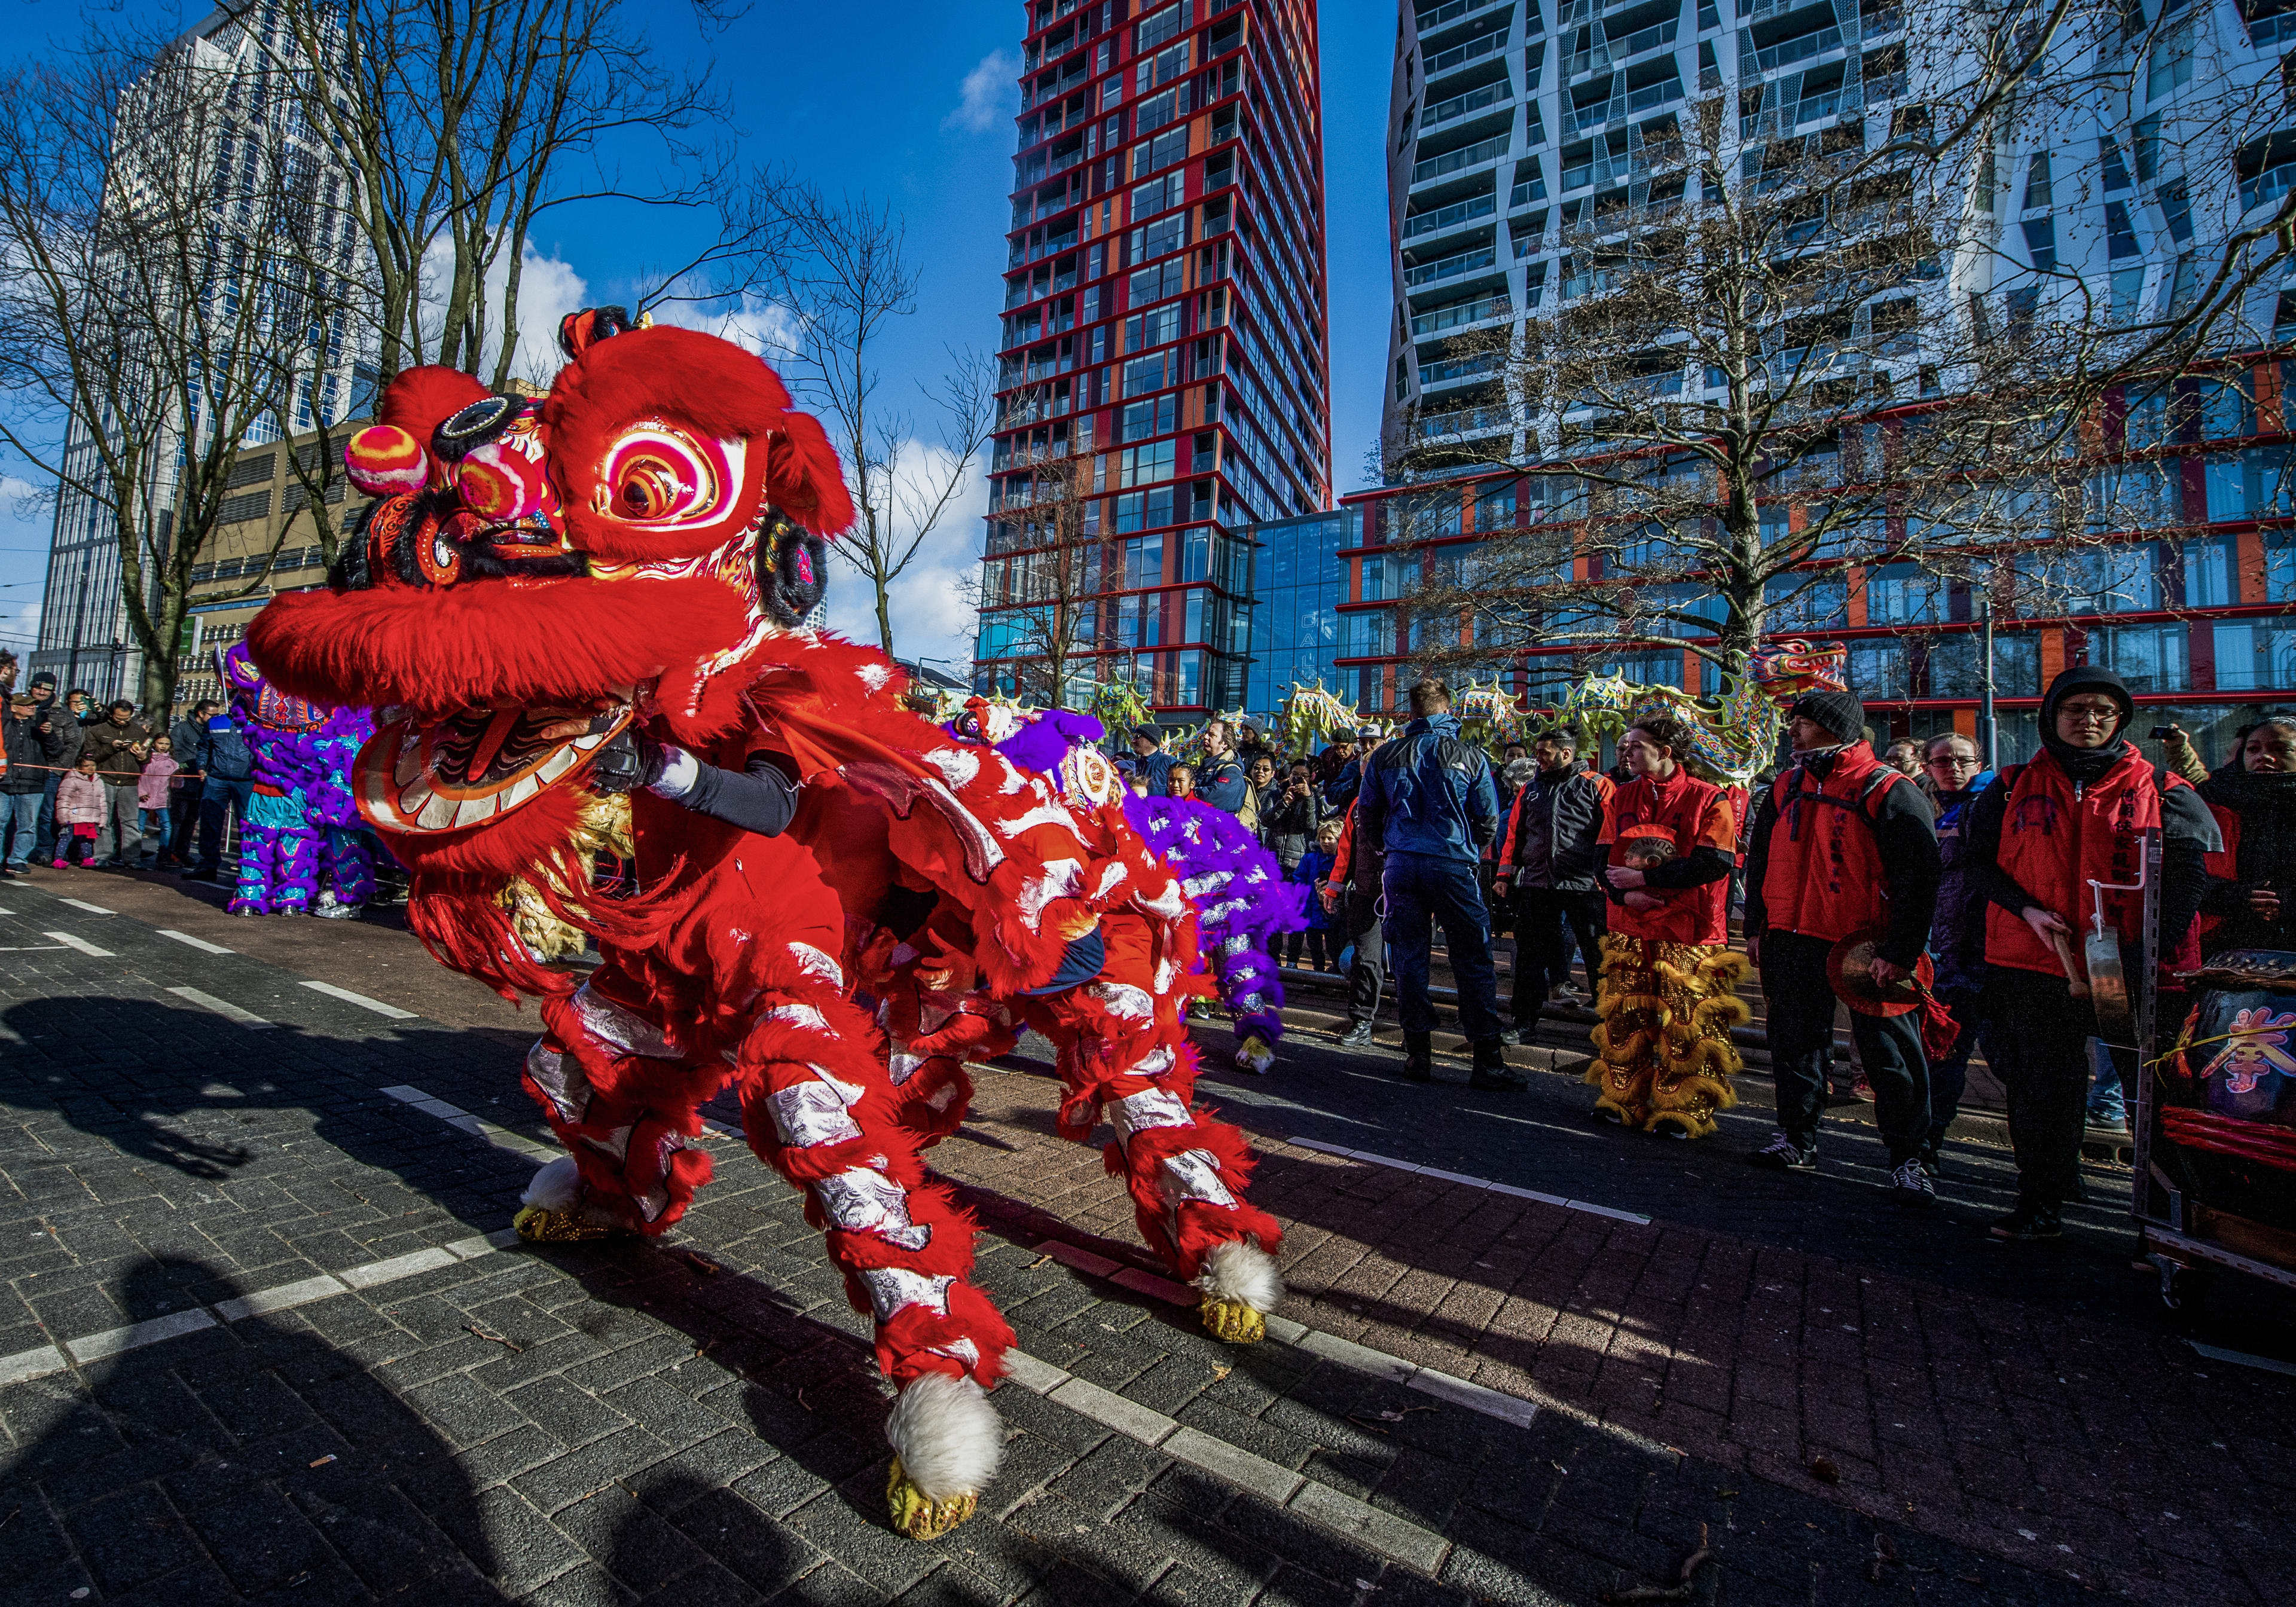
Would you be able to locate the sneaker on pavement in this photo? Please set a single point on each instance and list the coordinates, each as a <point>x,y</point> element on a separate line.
<point>1910,1183</point>
<point>1566,993</point>
<point>1782,1155</point>
<point>1512,1035</point>
<point>1358,1037</point>
<point>1862,1090</point>
<point>2030,1220</point>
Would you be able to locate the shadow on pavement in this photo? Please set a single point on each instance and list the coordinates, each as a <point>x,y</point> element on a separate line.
<point>231,1462</point>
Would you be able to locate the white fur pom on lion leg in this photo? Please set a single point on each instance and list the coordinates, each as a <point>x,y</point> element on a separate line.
<point>1240,1285</point>
<point>552,1209</point>
<point>947,1442</point>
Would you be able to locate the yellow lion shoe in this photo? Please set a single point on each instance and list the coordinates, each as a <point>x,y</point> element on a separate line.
<point>917,1514</point>
<point>1233,1320</point>
<point>536,1226</point>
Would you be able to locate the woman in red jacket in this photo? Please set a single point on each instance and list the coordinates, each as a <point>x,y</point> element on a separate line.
<point>1667,997</point>
<point>2037,836</point>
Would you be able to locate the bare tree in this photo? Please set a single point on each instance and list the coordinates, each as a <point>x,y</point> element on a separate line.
<point>1778,356</point>
<point>465,123</point>
<point>168,289</point>
<point>1039,592</point>
<point>840,277</point>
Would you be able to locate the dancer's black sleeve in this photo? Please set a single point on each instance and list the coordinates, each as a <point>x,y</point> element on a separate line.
<point>761,798</point>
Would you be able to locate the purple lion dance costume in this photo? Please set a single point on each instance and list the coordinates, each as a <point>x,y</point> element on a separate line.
<point>1243,902</point>
<point>1242,905</point>
<point>302,823</point>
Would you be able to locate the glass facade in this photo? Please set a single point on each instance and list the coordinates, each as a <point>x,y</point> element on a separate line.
<point>1297,586</point>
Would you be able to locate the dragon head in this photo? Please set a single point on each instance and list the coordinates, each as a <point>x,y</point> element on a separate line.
<point>538,570</point>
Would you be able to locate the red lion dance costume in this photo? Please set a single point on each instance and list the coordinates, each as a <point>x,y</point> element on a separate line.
<point>631,555</point>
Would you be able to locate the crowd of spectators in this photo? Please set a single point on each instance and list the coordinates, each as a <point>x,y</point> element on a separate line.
<point>1399,833</point>
<point>114,788</point>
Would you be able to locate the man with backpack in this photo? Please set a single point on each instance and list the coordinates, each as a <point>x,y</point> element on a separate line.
<point>1842,842</point>
<point>1428,801</point>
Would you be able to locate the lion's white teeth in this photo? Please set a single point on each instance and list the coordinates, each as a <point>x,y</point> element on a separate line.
<point>470,811</point>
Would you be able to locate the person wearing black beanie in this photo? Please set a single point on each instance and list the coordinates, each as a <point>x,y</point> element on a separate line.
<point>1840,715</point>
<point>1841,844</point>
<point>2078,812</point>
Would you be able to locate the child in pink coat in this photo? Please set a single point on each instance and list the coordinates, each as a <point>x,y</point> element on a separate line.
<point>152,786</point>
<point>82,807</point>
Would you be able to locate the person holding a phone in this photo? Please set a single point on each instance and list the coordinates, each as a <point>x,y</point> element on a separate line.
<point>2077,813</point>
<point>2250,899</point>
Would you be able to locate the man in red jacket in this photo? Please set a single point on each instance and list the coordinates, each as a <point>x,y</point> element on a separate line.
<point>1840,843</point>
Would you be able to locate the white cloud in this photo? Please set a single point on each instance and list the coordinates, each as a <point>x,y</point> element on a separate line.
<point>931,616</point>
<point>990,93</point>
<point>756,324</point>
<point>548,288</point>
<point>19,628</point>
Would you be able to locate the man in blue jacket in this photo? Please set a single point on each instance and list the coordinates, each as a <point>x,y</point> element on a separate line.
<point>228,763</point>
<point>1429,801</point>
<point>1220,780</point>
<point>1148,759</point>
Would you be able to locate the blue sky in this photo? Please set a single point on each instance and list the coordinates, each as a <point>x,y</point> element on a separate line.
<point>874,99</point>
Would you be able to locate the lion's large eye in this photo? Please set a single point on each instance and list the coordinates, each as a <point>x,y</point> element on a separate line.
<point>656,475</point>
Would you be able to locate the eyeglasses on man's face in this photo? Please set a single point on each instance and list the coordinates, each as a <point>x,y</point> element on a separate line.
<point>1954,761</point>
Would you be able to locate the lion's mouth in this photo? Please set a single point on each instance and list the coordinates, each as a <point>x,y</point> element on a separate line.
<point>476,765</point>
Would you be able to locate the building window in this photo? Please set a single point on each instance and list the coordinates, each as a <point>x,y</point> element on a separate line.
<point>2110,580</point>
<point>1159,26</point>
<point>2149,658</point>
<point>2208,573</point>
<point>2256,655</point>
<point>1144,562</point>
<point>1801,602</point>
<point>1145,466</point>
<point>1188,678</point>
<point>1154,327</point>
<point>2253,484</point>
<point>1957,667</point>
<point>1877,670</point>
<point>2120,232</point>
<point>1195,554</point>
<point>1903,593</point>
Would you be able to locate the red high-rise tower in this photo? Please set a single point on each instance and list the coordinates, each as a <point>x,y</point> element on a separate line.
<point>1165,381</point>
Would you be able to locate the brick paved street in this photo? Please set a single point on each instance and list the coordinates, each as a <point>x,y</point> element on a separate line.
<point>258,1341</point>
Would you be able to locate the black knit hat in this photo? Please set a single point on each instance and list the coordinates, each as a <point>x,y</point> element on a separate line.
<point>2087,678</point>
<point>1842,714</point>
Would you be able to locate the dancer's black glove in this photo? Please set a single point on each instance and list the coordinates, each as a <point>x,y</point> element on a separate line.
<point>632,760</point>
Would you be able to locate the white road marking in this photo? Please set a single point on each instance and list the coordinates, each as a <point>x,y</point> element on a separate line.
<point>201,944</point>
<point>2241,1359</point>
<point>476,1126</point>
<point>81,944</point>
<point>32,948</point>
<point>360,1000</point>
<point>93,909</point>
<point>222,1007</point>
<point>1437,1173</point>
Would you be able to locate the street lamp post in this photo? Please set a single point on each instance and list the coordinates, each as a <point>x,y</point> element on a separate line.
<point>1988,728</point>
